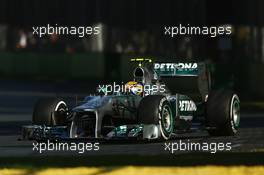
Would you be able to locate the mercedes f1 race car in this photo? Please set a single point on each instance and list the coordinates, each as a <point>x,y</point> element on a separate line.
<point>164,99</point>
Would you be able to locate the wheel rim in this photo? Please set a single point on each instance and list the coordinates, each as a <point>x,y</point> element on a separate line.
<point>60,106</point>
<point>167,123</point>
<point>236,112</point>
<point>59,115</point>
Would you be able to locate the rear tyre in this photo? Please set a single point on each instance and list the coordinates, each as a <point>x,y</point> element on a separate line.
<point>155,109</point>
<point>223,113</point>
<point>50,112</point>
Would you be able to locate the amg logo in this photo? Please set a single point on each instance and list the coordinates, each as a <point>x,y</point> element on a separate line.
<point>175,66</point>
<point>187,105</point>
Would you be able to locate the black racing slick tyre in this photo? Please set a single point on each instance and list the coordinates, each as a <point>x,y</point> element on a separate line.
<point>223,113</point>
<point>50,112</point>
<point>155,109</point>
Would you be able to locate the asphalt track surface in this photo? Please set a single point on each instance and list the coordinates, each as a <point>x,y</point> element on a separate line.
<point>249,138</point>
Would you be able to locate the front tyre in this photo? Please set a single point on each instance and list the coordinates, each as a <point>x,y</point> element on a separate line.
<point>223,113</point>
<point>155,109</point>
<point>50,112</point>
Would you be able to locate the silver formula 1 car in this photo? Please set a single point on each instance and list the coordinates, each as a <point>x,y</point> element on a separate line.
<point>163,100</point>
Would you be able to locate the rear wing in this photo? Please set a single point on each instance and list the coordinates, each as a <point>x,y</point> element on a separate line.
<point>176,69</point>
<point>189,78</point>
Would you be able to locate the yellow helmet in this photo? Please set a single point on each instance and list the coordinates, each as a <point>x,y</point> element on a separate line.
<point>134,87</point>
